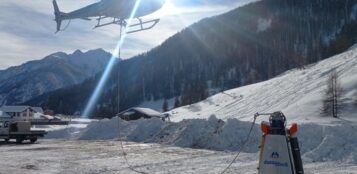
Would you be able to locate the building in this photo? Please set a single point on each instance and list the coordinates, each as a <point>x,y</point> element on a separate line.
<point>21,112</point>
<point>4,124</point>
<point>4,115</point>
<point>138,113</point>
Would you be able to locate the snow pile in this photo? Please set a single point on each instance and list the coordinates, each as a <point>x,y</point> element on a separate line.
<point>329,143</point>
<point>195,133</point>
<point>208,134</point>
<point>139,130</point>
<point>319,143</point>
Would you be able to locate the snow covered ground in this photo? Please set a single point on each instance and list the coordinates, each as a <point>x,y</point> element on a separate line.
<point>94,157</point>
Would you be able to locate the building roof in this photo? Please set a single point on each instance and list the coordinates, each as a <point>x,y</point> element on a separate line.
<point>14,108</point>
<point>20,109</point>
<point>146,111</point>
<point>38,109</point>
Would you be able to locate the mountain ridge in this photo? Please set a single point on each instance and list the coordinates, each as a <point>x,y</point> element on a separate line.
<point>21,83</point>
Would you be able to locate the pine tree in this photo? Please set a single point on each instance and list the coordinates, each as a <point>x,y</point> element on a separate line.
<point>177,103</point>
<point>332,100</point>
<point>60,108</point>
<point>187,95</point>
<point>165,106</point>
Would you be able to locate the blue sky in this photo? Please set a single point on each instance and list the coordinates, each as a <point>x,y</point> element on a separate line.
<point>27,28</point>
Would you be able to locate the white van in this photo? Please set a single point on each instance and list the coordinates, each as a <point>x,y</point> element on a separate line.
<point>18,130</point>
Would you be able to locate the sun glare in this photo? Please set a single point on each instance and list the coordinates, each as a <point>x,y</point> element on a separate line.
<point>168,9</point>
<point>98,90</point>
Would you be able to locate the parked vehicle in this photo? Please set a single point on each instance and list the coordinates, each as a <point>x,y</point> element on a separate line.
<point>18,130</point>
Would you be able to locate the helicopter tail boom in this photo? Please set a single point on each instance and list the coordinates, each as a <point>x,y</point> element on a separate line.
<point>58,15</point>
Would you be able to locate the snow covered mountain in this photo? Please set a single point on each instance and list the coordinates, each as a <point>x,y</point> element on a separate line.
<point>22,83</point>
<point>298,93</point>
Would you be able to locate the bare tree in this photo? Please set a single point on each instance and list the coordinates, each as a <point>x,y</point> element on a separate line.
<point>332,100</point>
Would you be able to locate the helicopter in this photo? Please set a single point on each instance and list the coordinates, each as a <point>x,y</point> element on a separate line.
<point>119,11</point>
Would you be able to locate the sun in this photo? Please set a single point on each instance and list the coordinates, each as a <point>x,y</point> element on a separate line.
<point>168,9</point>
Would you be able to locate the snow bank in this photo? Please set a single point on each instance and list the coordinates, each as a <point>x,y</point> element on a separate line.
<point>195,133</point>
<point>329,143</point>
<point>319,143</point>
<point>208,134</point>
<point>139,130</point>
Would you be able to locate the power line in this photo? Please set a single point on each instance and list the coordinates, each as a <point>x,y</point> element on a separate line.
<point>242,147</point>
<point>118,111</point>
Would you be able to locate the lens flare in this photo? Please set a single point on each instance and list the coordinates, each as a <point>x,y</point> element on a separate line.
<point>99,88</point>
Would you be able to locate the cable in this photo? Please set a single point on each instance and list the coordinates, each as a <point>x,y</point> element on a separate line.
<point>127,161</point>
<point>69,22</point>
<point>118,111</point>
<point>242,147</point>
<point>67,128</point>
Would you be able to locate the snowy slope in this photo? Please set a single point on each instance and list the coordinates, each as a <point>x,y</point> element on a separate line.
<point>298,93</point>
